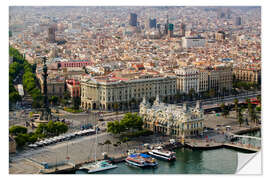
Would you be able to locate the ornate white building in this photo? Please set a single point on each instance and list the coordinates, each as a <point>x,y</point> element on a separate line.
<point>178,121</point>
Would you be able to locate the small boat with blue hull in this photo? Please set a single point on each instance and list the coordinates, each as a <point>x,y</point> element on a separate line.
<point>141,160</point>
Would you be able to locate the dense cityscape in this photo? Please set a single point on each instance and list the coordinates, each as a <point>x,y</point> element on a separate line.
<point>91,87</point>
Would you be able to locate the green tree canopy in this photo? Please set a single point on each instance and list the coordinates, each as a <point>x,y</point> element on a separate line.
<point>16,130</point>
<point>130,121</point>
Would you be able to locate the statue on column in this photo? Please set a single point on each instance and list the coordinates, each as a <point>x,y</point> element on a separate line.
<point>46,112</point>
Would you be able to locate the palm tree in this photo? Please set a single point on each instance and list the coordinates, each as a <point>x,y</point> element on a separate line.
<point>240,116</point>
<point>236,106</point>
<point>224,91</point>
<point>212,93</point>
<point>108,142</point>
<point>252,113</point>
<point>191,93</point>
<point>116,107</point>
<point>259,98</point>
<point>224,109</point>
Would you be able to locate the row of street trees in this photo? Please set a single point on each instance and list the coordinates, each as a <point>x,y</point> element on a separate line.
<point>252,110</point>
<point>20,65</point>
<point>49,129</point>
<point>243,85</point>
<point>192,95</point>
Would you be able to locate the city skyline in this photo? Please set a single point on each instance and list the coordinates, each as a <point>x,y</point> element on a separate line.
<point>181,77</point>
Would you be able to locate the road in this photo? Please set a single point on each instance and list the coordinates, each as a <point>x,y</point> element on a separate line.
<point>228,99</point>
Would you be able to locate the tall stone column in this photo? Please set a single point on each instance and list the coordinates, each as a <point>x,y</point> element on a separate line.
<point>46,113</point>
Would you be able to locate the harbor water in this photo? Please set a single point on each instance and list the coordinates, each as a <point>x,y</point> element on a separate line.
<point>218,161</point>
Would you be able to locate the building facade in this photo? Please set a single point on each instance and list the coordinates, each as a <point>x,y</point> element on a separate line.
<point>75,63</point>
<point>51,34</point>
<point>246,74</point>
<point>119,93</point>
<point>217,77</point>
<point>152,23</point>
<point>187,79</point>
<point>55,84</point>
<point>172,120</point>
<point>191,42</point>
<point>133,19</point>
<point>74,88</point>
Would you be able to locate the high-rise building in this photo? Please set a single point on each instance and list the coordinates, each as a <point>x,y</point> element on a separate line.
<point>238,21</point>
<point>133,19</point>
<point>183,29</point>
<point>170,30</point>
<point>152,23</point>
<point>51,34</point>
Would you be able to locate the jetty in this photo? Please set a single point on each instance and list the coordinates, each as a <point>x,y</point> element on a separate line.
<point>215,145</point>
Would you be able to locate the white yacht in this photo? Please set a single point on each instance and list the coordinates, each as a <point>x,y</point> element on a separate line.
<point>163,154</point>
<point>98,166</point>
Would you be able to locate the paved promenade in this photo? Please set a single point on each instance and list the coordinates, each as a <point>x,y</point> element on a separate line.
<point>78,150</point>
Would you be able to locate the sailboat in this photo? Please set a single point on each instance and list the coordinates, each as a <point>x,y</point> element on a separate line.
<point>97,166</point>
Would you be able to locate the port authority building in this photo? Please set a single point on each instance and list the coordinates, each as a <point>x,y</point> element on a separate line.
<point>172,120</point>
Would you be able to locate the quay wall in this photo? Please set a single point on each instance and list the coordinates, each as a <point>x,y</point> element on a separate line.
<point>247,130</point>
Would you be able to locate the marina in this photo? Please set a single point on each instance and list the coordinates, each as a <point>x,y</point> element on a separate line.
<point>187,162</point>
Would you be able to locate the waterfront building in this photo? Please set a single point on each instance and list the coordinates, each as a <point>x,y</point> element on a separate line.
<point>218,77</point>
<point>172,120</point>
<point>247,74</point>
<point>203,80</point>
<point>122,90</point>
<point>191,42</point>
<point>187,79</point>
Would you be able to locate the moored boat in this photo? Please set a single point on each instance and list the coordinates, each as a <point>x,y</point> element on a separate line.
<point>98,166</point>
<point>148,159</point>
<point>163,154</point>
<point>141,160</point>
<point>135,160</point>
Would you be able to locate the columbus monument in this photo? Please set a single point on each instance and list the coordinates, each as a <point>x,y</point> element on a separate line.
<point>46,112</point>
